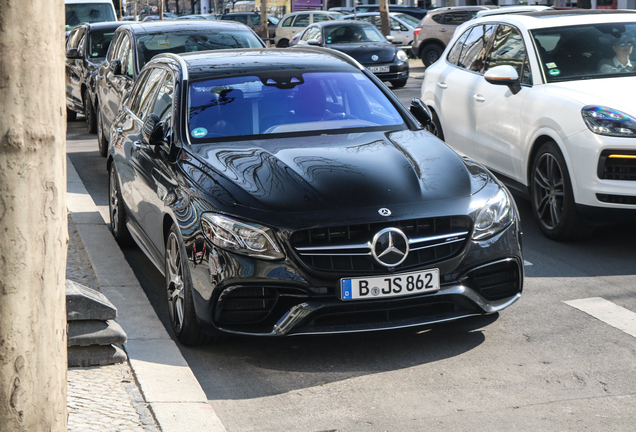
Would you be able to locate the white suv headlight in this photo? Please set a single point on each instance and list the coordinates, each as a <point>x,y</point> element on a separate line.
<point>494,217</point>
<point>607,121</point>
<point>240,237</point>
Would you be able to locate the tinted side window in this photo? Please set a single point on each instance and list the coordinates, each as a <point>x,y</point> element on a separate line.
<point>144,92</point>
<point>438,18</point>
<point>113,46</point>
<point>508,49</point>
<point>302,20</point>
<point>474,53</point>
<point>124,53</point>
<point>287,22</point>
<point>312,33</point>
<point>321,17</point>
<point>163,104</point>
<point>456,51</point>
<point>455,18</point>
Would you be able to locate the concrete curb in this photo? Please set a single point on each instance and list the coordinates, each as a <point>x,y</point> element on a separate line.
<point>166,381</point>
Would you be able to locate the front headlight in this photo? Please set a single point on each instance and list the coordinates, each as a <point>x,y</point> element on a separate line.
<point>401,56</point>
<point>240,237</point>
<point>494,217</point>
<point>606,121</point>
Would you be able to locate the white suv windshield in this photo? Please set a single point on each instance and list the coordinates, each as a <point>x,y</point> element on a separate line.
<point>77,13</point>
<point>287,102</point>
<point>586,51</point>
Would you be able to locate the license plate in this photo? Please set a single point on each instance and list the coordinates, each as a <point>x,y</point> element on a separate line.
<point>426,281</point>
<point>376,69</point>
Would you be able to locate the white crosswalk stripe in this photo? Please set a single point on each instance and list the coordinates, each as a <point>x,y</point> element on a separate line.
<point>608,312</point>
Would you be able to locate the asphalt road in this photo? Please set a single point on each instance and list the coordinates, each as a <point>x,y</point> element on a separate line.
<point>541,365</point>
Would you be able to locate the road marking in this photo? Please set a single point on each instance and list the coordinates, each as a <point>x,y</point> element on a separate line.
<point>608,312</point>
<point>527,263</point>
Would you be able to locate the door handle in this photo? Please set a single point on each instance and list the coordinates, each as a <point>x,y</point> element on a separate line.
<point>138,145</point>
<point>442,85</point>
<point>479,98</point>
<point>119,130</point>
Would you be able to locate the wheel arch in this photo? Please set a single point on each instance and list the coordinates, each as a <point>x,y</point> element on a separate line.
<point>539,141</point>
<point>428,42</point>
<point>167,224</point>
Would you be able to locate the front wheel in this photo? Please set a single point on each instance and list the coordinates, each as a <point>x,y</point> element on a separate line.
<point>179,291</point>
<point>430,54</point>
<point>116,210</point>
<point>283,43</point>
<point>398,83</point>
<point>552,196</point>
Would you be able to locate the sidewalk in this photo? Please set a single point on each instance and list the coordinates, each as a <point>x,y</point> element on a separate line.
<point>154,390</point>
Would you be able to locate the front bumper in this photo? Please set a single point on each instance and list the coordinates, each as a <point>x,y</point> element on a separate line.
<point>397,71</point>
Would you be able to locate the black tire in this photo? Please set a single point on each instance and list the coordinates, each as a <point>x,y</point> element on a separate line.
<point>283,43</point>
<point>70,115</point>
<point>89,113</point>
<point>102,142</point>
<point>399,83</point>
<point>435,126</point>
<point>552,197</point>
<point>430,54</point>
<point>179,294</point>
<point>116,210</point>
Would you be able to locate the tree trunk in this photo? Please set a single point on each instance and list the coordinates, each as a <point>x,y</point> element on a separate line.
<point>264,31</point>
<point>384,17</point>
<point>33,220</point>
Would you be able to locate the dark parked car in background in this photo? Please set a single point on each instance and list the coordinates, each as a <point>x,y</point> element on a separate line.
<point>135,44</point>
<point>287,191</point>
<point>364,42</point>
<point>86,49</point>
<point>253,21</point>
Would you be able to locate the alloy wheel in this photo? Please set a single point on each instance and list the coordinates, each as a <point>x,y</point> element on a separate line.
<point>174,281</point>
<point>548,191</point>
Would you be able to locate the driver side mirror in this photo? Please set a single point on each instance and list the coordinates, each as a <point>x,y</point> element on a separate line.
<point>115,66</point>
<point>389,38</point>
<point>420,112</point>
<point>73,53</point>
<point>313,42</point>
<point>504,75</point>
<point>153,130</point>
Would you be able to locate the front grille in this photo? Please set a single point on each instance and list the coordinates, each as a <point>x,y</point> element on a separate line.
<point>617,165</point>
<point>617,199</point>
<point>247,305</point>
<point>498,280</point>
<point>347,248</point>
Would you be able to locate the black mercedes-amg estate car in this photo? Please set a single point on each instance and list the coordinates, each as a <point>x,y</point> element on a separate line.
<point>287,192</point>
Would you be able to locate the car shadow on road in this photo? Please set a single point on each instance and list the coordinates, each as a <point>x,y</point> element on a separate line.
<point>249,368</point>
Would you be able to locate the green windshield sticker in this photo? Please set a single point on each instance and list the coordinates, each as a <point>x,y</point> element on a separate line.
<point>550,65</point>
<point>554,72</point>
<point>199,132</point>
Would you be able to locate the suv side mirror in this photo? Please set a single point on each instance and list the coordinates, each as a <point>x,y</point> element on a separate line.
<point>313,42</point>
<point>504,75</point>
<point>153,130</point>
<point>73,53</point>
<point>420,112</point>
<point>115,66</point>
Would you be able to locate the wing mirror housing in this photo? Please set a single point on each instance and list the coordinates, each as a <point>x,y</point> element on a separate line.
<point>313,42</point>
<point>389,38</point>
<point>73,53</point>
<point>115,66</point>
<point>421,112</point>
<point>153,130</point>
<point>504,75</point>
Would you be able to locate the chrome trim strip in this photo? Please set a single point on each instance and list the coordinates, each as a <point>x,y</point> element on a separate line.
<point>336,254</point>
<point>437,244</point>
<point>438,237</point>
<point>319,248</point>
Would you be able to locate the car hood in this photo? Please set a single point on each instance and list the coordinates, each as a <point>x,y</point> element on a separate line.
<point>362,52</point>
<point>335,172</point>
<point>616,93</point>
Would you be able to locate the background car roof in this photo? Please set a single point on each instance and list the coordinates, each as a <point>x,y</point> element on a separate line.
<point>341,22</point>
<point>174,25</point>
<point>214,64</point>
<point>558,18</point>
<point>106,25</point>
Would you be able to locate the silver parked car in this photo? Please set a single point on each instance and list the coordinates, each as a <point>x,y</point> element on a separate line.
<point>296,22</point>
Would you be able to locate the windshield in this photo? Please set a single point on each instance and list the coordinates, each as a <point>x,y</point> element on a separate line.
<point>352,33</point>
<point>587,51</point>
<point>99,43</point>
<point>287,102</point>
<point>178,42</point>
<point>88,12</point>
<point>410,20</point>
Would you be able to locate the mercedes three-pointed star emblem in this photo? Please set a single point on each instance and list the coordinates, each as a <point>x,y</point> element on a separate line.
<point>390,247</point>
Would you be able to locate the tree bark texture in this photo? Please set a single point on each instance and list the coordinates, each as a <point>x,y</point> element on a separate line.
<point>33,219</point>
<point>384,17</point>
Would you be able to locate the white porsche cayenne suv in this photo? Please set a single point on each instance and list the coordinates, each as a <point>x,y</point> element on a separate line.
<point>547,101</point>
